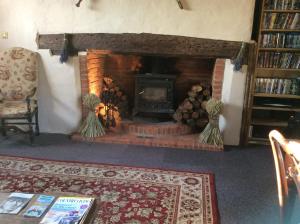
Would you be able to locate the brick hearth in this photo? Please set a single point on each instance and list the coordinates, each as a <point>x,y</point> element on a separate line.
<point>181,142</point>
<point>159,135</point>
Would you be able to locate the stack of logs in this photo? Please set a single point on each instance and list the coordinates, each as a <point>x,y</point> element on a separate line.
<point>114,104</point>
<point>192,110</point>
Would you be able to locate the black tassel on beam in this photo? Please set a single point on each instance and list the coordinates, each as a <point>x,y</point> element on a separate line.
<point>179,4</point>
<point>65,52</point>
<point>238,61</point>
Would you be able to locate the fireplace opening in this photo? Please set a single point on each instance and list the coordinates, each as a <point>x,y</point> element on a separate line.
<point>182,84</point>
<point>155,86</point>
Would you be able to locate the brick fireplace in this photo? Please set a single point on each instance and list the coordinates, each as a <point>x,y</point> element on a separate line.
<point>122,68</point>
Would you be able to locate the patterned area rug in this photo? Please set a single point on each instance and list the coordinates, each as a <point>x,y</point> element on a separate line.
<point>127,195</point>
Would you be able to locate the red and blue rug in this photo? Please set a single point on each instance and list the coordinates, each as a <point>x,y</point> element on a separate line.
<point>127,195</point>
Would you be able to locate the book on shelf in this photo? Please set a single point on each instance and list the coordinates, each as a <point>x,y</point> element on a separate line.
<point>67,210</point>
<point>280,40</point>
<point>282,4</point>
<point>277,86</point>
<point>281,60</point>
<point>275,20</point>
<point>39,206</point>
<point>15,203</point>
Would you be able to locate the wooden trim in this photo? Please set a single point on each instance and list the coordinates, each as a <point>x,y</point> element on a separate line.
<point>143,44</point>
<point>246,117</point>
<point>286,96</point>
<point>276,108</point>
<point>277,73</point>
<point>282,10</point>
<point>280,30</point>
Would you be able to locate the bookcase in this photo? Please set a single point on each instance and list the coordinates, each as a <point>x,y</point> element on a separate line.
<point>274,100</point>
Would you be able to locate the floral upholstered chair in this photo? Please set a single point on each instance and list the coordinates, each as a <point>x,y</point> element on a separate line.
<point>18,85</point>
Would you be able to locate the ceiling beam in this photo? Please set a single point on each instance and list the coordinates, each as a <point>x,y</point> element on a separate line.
<point>143,44</point>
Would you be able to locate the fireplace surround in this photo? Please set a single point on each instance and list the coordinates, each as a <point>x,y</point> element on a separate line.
<point>130,47</point>
<point>94,66</point>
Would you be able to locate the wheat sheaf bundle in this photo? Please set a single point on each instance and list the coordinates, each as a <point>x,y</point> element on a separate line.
<point>91,126</point>
<point>211,134</point>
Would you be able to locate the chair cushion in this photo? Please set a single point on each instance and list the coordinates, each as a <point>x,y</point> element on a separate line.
<point>18,73</point>
<point>10,109</point>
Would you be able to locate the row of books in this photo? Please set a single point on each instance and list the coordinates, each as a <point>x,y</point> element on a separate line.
<point>278,60</point>
<point>64,210</point>
<point>280,40</point>
<point>281,21</point>
<point>282,4</point>
<point>277,86</point>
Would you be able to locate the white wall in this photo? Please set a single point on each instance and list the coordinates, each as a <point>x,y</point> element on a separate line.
<point>232,98</point>
<point>59,84</point>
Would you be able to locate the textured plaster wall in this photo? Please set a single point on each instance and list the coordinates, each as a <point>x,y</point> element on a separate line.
<point>59,84</point>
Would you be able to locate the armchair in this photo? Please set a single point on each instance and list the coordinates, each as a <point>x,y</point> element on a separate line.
<point>18,87</point>
<point>281,148</point>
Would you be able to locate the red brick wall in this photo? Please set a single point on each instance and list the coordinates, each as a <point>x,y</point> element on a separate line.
<point>122,69</point>
<point>217,80</point>
<point>193,71</point>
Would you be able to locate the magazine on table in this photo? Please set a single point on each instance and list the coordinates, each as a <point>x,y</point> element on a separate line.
<point>67,210</point>
<point>15,203</point>
<point>39,206</point>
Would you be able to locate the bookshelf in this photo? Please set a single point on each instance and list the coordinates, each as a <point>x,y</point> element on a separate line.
<point>274,96</point>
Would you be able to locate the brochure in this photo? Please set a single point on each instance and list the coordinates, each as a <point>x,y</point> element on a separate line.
<point>14,203</point>
<point>67,210</point>
<point>39,206</point>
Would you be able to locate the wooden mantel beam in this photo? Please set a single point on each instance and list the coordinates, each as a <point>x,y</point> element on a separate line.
<point>143,44</point>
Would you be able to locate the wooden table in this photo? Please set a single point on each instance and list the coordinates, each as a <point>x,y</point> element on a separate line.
<point>20,219</point>
<point>293,151</point>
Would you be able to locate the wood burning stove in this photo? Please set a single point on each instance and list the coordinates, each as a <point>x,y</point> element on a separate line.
<point>154,93</point>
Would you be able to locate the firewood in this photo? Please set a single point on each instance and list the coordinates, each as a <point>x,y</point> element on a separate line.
<point>195,115</point>
<point>197,88</point>
<point>200,98</point>
<point>107,80</point>
<point>203,105</point>
<point>186,116</point>
<point>192,99</point>
<point>119,99</point>
<point>188,105</point>
<point>192,110</point>
<point>201,122</point>
<point>191,122</point>
<point>192,94</point>
<point>177,116</point>
<point>119,93</point>
<point>206,92</point>
<point>202,112</point>
<point>196,104</point>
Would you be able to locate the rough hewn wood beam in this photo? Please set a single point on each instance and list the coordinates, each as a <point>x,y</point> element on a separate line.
<point>144,43</point>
